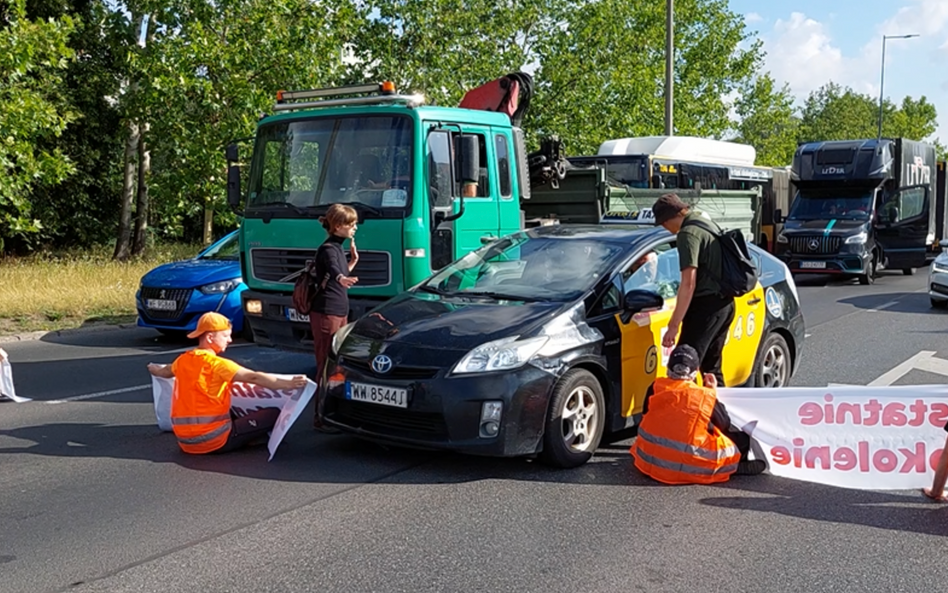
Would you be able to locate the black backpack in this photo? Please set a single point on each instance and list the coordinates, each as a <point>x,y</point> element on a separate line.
<point>739,274</point>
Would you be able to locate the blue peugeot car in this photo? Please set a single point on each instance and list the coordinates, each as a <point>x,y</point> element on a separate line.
<point>173,296</point>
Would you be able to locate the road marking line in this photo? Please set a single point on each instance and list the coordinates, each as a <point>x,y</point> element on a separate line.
<point>939,366</point>
<point>883,307</point>
<point>77,398</point>
<point>900,370</point>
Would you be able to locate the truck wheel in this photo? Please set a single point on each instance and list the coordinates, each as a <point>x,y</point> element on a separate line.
<point>908,271</point>
<point>575,420</point>
<point>870,275</point>
<point>773,365</point>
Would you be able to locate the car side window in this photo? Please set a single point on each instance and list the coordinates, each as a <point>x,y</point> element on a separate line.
<point>656,270</point>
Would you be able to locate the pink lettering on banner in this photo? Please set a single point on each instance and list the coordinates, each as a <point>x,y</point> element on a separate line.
<point>894,415</point>
<point>821,454</point>
<point>939,415</point>
<point>828,418</point>
<point>811,413</point>
<point>884,460</point>
<point>797,451</point>
<point>918,408</point>
<point>780,455</point>
<point>845,459</point>
<point>914,460</point>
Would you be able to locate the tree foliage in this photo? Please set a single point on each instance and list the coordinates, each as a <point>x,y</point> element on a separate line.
<point>767,121</point>
<point>33,56</point>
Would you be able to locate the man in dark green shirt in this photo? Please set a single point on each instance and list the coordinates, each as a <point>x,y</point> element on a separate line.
<point>701,313</point>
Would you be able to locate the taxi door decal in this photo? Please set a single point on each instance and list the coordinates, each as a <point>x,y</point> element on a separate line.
<point>643,358</point>
<point>744,335</point>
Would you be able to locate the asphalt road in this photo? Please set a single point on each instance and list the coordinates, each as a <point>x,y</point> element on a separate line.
<point>94,498</point>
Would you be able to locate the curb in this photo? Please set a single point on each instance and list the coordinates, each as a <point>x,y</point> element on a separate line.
<point>39,335</point>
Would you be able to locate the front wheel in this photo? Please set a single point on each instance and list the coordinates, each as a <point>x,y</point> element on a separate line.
<point>871,271</point>
<point>773,365</point>
<point>575,420</point>
<point>908,271</point>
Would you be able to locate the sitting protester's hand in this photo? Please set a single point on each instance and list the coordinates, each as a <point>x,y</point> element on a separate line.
<point>296,382</point>
<point>155,369</point>
<point>709,380</point>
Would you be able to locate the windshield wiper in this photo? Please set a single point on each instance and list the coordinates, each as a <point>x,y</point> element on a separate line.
<point>500,295</point>
<point>269,205</point>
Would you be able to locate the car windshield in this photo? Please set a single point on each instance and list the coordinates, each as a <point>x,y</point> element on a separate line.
<point>229,249</point>
<point>317,162</point>
<point>525,267</point>
<point>824,204</point>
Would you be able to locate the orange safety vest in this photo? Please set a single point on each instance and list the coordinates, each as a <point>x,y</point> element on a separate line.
<point>200,402</point>
<point>674,445</point>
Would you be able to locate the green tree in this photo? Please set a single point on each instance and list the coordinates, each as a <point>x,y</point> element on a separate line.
<point>836,113</point>
<point>208,73</point>
<point>601,72</point>
<point>33,56</point>
<point>766,119</point>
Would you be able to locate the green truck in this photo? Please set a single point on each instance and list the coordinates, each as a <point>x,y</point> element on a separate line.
<point>430,184</point>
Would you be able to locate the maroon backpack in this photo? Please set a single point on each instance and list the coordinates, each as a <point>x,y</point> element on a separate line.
<point>305,288</point>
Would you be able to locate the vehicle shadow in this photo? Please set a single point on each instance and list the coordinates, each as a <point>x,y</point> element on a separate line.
<point>904,302</point>
<point>125,336</point>
<point>309,457</point>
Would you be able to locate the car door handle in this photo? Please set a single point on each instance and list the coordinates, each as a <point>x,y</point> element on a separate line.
<point>485,239</point>
<point>753,301</point>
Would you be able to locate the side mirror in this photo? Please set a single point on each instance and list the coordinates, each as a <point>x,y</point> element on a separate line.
<point>232,153</point>
<point>233,188</point>
<point>894,215</point>
<point>638,300</point>
<point>778,216</point>
<point>469,156</point>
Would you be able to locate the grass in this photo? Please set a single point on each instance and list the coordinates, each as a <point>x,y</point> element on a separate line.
<point>52,291</point>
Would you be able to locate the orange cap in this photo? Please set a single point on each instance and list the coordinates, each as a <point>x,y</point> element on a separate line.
<point>210,322</point>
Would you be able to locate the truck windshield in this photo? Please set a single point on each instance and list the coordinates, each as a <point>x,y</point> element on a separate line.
<point>316,162</point>
<point>525,267</point>
<point>826,203</point>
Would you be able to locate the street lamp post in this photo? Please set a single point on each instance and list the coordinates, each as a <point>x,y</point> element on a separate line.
<point>882,79</point>
<point>669,67</point>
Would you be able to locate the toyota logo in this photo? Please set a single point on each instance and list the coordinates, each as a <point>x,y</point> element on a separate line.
<point>381,364</point>
<point>814,245</point>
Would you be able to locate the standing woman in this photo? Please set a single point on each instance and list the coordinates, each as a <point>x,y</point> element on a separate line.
<point>330,309</point>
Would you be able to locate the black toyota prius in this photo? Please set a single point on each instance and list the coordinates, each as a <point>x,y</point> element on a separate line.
<point>539,344</point>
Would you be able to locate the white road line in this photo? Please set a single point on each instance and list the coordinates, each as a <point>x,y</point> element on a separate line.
<point>77,398</point>
<point>883,307</point>
<point>939,366</point>
<point>899,371</point>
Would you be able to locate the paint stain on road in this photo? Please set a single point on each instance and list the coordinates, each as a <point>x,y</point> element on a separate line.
<point>6,558</point>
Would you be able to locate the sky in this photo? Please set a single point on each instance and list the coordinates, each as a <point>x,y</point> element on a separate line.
<point>812,42</point>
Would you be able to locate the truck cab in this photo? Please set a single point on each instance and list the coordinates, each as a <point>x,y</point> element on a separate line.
<point>429,184</point>
<point>860,206</point>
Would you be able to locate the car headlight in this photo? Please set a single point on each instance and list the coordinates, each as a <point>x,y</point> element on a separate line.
<point>940,267</point>
<point>500,355</point>
<point>340,336</point>
<point>220,287</point>
<point>857,238</point>
<point>781,238</point>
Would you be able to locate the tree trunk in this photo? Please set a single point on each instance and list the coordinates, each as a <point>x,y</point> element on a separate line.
<point>141,208</point>
<point>124,239</point>
<point>208,222</point>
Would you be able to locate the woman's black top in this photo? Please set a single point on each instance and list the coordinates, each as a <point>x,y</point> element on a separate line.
<point>332,300</point>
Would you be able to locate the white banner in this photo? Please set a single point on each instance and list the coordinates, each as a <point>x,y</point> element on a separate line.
<point>7,390</point>
<point>871,438</point>
<point>244,399</point>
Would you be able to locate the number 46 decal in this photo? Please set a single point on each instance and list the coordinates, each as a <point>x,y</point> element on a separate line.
<point>739,329</point>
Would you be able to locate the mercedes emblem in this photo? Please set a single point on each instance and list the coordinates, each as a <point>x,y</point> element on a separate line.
<point>814,245</point>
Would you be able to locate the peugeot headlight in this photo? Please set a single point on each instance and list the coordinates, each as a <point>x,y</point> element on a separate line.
<point>340,336</point>
<point>857,238</point>
<point>500,355</point>
<point>220,287</point>
<point>781,238</point>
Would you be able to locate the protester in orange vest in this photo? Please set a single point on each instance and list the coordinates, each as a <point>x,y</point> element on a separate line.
<point>684,436</point>
<point>200,404</point>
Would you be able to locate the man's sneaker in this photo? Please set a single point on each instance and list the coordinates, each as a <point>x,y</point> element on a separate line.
<point>750,468</point>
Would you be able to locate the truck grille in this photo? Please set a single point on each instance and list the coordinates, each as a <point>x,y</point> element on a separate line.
<point>180,296</point>
<point>274,265</point>
<point>815,245</point>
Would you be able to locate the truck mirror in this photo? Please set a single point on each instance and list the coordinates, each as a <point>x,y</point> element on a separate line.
<point>469,159</point>
<point>233,188</point>
<point>778,216</point>
<point>638,300</point>
<point>232,153</point>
